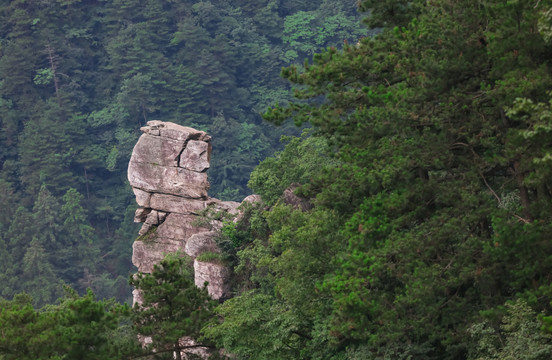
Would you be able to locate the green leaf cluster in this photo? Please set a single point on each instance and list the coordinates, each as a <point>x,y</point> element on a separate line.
<point>79,327</point>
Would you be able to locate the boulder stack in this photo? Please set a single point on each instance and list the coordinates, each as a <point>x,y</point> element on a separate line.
<point>167,172</point>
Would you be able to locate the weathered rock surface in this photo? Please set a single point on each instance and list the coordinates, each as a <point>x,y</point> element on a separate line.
<point>176,204</point>
<point>179,227</point>
<point>167,174</point>
<point>201,243</point>
<point>157,165</point>
<point>196,156</point>
<point>216,276</point>
<point>290,198</point>
<point>145,254</point>
<point>252,199</point>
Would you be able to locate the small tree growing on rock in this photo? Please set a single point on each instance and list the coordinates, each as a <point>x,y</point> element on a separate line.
<point>172,308</point>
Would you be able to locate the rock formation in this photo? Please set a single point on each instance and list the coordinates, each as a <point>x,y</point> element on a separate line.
<point>167,172</point>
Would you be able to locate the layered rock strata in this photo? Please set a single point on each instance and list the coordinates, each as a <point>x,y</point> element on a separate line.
<point>167,172</point>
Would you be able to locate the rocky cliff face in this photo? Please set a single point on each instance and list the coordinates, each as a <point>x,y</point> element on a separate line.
<point>167,172</point>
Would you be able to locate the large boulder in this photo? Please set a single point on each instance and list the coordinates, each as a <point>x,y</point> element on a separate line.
<point>201,243</point>
<point>215,275</point>
<point>170,159</point>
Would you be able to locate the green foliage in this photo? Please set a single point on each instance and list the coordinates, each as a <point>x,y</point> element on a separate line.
<point>77,328</point>
<point>546,324</point>
<point>302,159</point>
<point>236,236</point>
<point>237,149</point>
<point>211,257</point>
<point>172,306</point>
<point>75,218</point>
<point>254,326</point>
<point>390,13</point>
<point>307,32</point>
<point>44,77</point>
<point>545,24</point>
<point>519,336</point>
<point>530,142</point>
<point>431,196</point>
<point>284,269</point>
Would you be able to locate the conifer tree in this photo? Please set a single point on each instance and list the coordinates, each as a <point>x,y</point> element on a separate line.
<point>172,307</point>
<point>79,327</point>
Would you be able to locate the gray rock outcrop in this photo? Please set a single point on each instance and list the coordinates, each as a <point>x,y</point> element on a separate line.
<point>167,172</point>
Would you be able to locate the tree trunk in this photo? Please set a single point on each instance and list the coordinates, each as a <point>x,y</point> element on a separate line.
<point>177,353</point>
<point>523,193</point>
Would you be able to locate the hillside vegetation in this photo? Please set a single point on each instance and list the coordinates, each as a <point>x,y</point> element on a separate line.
<point>429,175</point>
<point>425,175</point>
<point>77,81</point>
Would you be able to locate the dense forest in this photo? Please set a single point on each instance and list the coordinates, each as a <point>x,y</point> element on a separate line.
<point>424,166</point>
<point>77,81</point>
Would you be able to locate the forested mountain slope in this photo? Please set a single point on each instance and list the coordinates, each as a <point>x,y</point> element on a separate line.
<point>79,78</point>
<point>429,176</point>
<point>425,225</point>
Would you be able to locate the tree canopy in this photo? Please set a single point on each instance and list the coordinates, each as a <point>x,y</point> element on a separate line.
<point>432,215</point>
<point>79,327</point>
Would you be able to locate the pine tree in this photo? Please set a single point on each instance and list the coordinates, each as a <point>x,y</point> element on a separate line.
<point>172,307</point>
<point>76,328</point>
<point>38,276</point>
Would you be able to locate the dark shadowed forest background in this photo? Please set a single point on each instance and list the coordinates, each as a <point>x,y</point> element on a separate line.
<point>77,81</point>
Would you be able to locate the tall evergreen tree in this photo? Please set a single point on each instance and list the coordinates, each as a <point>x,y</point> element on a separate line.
<point>38,276</point>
